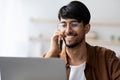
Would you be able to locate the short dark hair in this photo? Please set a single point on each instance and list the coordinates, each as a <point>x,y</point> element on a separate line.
<point>75,10</point>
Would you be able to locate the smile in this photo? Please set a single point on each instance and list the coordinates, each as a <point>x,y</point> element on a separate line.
<point>70,38</point>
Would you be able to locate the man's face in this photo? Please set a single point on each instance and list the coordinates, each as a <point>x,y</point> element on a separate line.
<point>74,32</point>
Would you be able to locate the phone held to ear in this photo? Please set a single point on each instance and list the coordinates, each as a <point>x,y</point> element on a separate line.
<point>60,42</point>
<point>60,39</point>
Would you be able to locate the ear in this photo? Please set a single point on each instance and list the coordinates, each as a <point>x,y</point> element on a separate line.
<point>87,28</point>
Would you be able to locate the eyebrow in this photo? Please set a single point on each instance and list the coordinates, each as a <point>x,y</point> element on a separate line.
<point>70,21</point>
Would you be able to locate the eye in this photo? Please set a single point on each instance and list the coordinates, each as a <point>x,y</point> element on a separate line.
<point>74,24</point>
<point>62,25</point>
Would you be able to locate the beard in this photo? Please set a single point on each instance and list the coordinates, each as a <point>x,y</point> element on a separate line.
<point>76,42</point>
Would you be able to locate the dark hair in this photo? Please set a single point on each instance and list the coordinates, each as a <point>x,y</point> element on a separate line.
<point>75,10</point>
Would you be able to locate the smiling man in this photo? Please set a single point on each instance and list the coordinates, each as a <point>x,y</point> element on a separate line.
<point>83,61</point>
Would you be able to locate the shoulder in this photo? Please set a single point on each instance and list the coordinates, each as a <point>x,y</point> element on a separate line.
<point>100,51</point>
<point>104,51</point>
<point>105,54</point>
<point>111,61</point>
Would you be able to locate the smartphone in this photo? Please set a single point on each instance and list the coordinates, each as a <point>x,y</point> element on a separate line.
<point>60,42</point>
<point>60,39</point>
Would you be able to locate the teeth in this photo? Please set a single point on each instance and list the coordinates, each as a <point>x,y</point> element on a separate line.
<point>70,36</point>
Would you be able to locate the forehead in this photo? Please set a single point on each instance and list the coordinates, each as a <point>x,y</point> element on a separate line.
<point>67,20</point>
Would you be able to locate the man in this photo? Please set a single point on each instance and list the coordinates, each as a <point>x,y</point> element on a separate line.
<point>83,61</point>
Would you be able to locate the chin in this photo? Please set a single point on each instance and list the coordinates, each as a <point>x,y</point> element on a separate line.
<point>72,45</point>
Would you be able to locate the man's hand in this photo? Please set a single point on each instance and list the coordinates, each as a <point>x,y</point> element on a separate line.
<point>56,44</point>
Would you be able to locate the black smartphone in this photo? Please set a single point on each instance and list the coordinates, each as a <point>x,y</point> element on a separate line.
<point>60,39</point>
<point>60,42</point>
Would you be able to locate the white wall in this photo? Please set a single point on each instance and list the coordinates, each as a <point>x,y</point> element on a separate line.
<point>14,29</point>
<point>104,10</point>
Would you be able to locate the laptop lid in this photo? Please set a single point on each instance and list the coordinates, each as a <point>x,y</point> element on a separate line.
<point>13,68</point>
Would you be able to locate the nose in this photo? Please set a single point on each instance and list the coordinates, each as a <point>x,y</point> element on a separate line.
<point>68,29</point>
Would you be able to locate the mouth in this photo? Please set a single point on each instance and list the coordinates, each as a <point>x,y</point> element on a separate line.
<point>70,38</point>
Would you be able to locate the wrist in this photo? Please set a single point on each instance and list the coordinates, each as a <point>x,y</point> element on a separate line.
<point>51,53</point>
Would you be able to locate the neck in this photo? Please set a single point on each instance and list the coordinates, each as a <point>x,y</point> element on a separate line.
<point>77,55</point>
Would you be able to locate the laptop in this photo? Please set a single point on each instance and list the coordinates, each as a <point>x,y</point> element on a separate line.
<point>18,68</point>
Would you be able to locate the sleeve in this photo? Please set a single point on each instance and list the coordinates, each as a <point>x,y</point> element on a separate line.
<point>114,66</point>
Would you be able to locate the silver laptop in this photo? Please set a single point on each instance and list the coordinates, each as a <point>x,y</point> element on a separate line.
<point>32,68</point>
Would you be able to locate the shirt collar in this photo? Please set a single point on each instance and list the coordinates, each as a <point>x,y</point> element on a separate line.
<point>90,55</point>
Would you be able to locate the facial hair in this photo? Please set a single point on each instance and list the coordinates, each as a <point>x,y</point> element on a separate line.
<point>77,42</point>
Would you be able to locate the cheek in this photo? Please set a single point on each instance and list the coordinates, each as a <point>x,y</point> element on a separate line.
<point>81,33</point>
<point>82,30</point>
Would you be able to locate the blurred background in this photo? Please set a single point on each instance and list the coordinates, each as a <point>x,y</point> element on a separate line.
<point>27,25</point>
